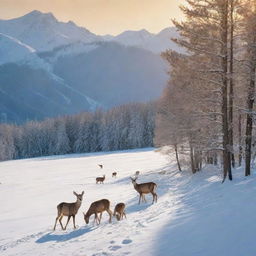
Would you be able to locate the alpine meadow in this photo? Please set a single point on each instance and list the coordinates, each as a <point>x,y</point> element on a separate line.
<point>127,127</point>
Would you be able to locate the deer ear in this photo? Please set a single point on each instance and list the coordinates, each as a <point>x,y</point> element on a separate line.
<point>82,193</point>
<point>74,193</point>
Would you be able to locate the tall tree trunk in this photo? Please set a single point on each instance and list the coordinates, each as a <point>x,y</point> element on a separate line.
<point>224,109</point>
<point>192,158</point>
<point>177,156</point>
<point>215,158</point>
<point>240,139</point>
<point>231,84</point>
<point>248,132</point>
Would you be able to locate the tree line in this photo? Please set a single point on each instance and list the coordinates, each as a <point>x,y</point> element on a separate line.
<point>123,127</point>
<point>207,110</point>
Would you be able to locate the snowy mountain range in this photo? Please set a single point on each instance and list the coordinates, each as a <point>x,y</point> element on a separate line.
<point>50,68</point>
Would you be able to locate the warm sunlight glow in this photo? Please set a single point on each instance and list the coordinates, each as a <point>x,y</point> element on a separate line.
<point>101,16</point>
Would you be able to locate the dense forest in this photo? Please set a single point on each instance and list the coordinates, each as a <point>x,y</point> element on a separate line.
<point>124,127</point>
<point>207,109</point>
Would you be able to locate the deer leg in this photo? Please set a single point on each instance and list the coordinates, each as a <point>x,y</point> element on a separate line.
<point>125,215</point>
<point>110,214</point>
<point>95,218</point>
<point>56,222</point>
<point>154,197</point>
<point>61,222</point>
<point>74,222</point>
<point>99,219</point>
<point>67,222</point>
<point>140,198</point>
<point>144,197</point>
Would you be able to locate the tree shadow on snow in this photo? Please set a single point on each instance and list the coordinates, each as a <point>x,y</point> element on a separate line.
<point>63,237</point>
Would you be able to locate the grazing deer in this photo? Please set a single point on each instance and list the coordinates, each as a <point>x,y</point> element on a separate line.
<point>119,212</point>
<point>137,173</point>
<point>145,188</point>
<point>69,209</point>
<point>100,179</point>
<point>98,207</point>
<point>114,174</point>
<point>100,165</point>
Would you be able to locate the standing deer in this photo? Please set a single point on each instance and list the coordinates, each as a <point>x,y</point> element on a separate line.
<point>98,207</point>
<point>114,174</point>
<point>69,209</point>
<point>100,179</point>
<point>145,188</point>
<point>119,212</point>
<point>137,173</point>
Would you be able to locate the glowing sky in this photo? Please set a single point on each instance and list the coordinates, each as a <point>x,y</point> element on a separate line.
<point>101,16</point>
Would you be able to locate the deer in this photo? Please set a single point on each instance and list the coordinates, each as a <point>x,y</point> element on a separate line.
<point>114,174</point>
<point>98,207</point>
<point>137,173</point>
<point>100,179</point>
<point>145,188</point>
<point>68,209</point>
<point>119,212</point>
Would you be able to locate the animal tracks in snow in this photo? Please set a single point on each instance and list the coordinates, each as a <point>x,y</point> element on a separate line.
<point>126,241</point>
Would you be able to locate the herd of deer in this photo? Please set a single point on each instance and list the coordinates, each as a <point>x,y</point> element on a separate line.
<point>98,207</point>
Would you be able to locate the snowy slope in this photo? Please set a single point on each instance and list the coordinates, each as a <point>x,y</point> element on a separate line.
<point>194,216</point>
<point>13,50</point>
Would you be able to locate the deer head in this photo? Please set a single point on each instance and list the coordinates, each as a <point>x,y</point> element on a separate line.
<point>79,196</point>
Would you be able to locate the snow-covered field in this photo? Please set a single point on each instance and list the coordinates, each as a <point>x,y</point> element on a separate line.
<point>194,216</point>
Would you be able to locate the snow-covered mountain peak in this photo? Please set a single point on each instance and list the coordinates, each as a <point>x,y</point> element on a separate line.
<point>44,32</point>
<point>134,37</point>
<point>33,18</point>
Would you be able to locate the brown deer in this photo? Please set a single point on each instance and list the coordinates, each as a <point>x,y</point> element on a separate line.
<point>100,179</point>
<point>69,209</point>
<point>114,174</point>
<point>98,207</point>
<point>119,212</point>
<point>145,188</point>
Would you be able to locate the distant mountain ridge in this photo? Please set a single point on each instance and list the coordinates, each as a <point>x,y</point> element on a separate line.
<point>50,68</point>
<point>44,32</point>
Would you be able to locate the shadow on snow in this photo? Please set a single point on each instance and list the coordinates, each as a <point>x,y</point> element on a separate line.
<point>64,237</point>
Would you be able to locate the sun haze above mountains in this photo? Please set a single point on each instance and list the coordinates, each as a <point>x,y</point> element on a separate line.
<point>101,16</point>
